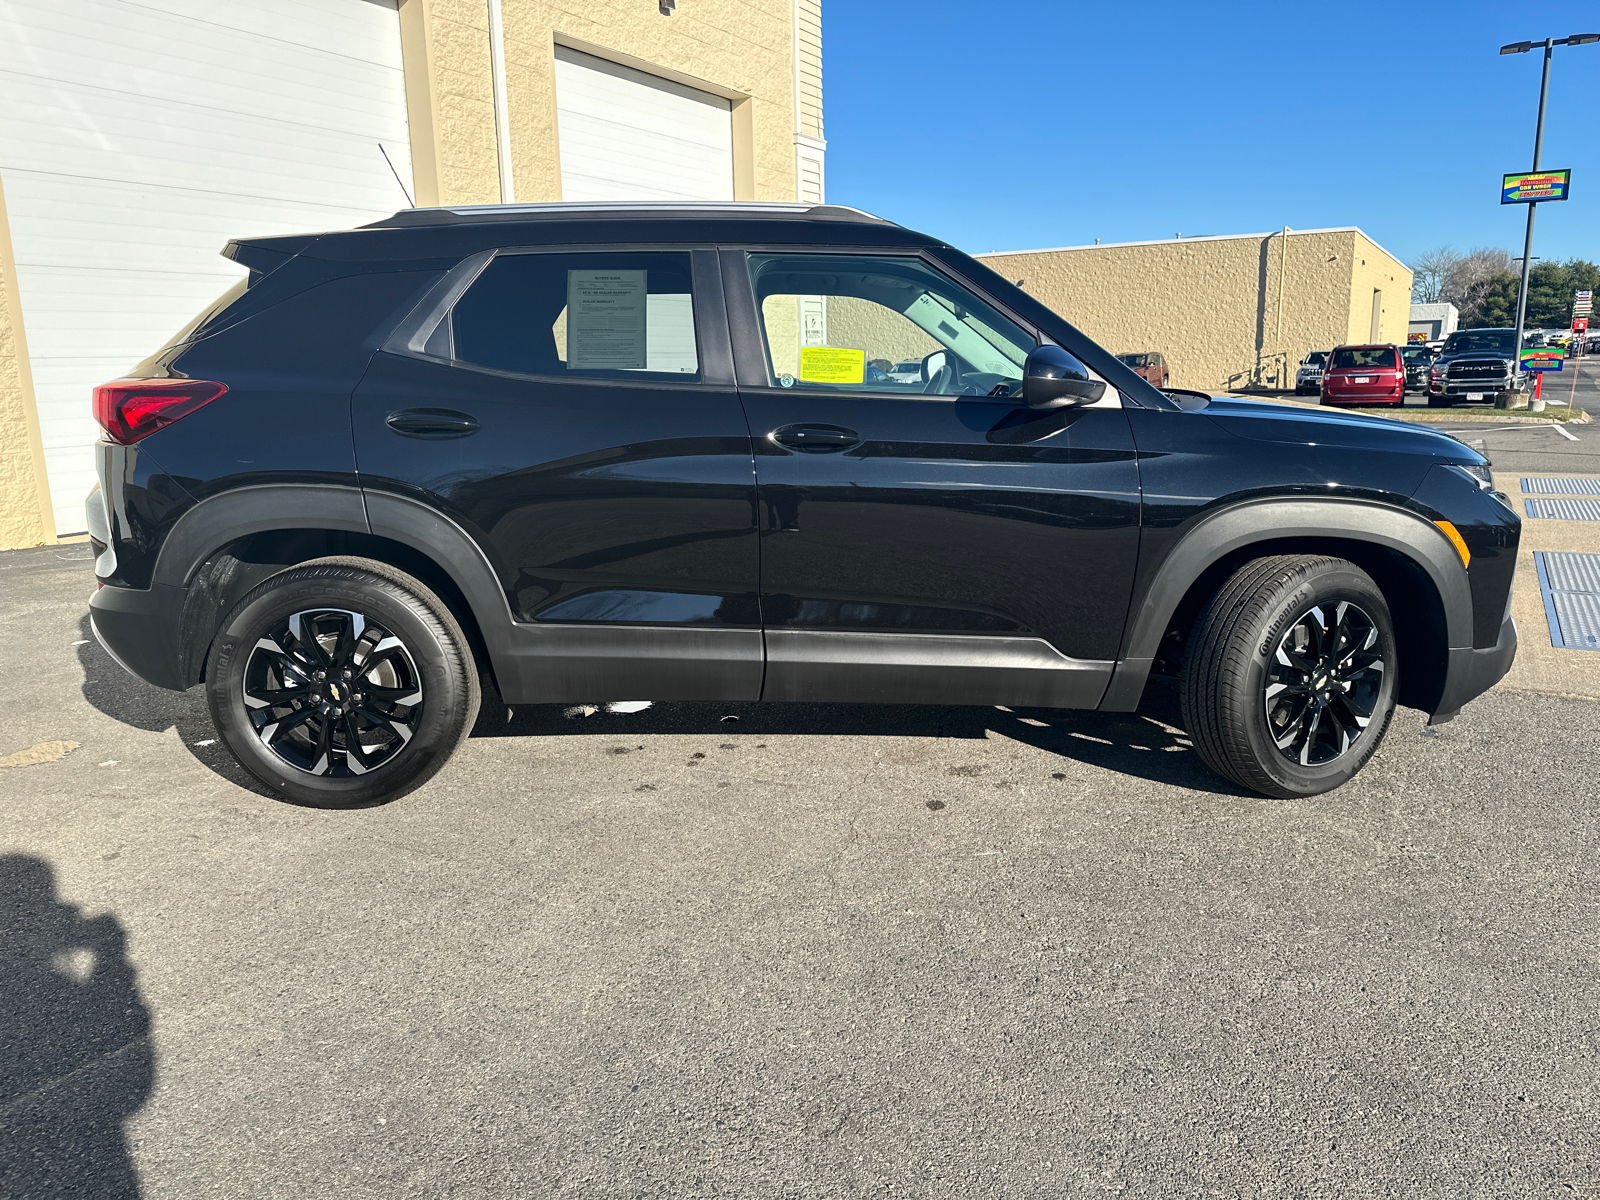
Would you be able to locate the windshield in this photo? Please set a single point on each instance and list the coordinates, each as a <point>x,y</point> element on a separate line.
<point>1418,354</point>
<point>1363,357</point>
<point>1316,358</point>
<point>1466,340</point>
<point>1134,360</point>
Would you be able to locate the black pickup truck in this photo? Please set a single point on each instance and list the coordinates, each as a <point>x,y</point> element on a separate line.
<point>1475,365</point>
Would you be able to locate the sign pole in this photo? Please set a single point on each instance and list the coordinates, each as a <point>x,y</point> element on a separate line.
<point>1538,145</point>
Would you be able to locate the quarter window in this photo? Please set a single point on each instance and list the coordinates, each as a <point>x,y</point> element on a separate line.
<point>585,316</point>
<point>853,322</point>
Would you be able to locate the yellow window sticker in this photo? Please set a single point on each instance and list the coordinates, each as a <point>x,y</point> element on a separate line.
<point>832,364</point>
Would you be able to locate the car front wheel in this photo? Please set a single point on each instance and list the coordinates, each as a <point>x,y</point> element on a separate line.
<point>341,682</point>
<point>1290,679</point>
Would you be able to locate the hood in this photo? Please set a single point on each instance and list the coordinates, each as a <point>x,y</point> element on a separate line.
<point>1260,421</point>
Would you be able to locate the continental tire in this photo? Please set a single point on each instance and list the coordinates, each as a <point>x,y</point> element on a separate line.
<point>1290,679</point>
<point>341,682</point>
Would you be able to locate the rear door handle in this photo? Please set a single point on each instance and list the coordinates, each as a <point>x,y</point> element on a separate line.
<point>432,423</point>
<point>815,439</point>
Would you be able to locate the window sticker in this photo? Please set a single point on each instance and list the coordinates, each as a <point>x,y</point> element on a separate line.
<point>832,364</point>
<point>606,313</point>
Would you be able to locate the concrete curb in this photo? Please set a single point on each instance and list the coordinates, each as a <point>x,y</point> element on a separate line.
<point>1419,416</point>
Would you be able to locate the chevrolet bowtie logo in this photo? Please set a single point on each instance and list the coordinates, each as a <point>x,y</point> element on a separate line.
<point>333,690</point>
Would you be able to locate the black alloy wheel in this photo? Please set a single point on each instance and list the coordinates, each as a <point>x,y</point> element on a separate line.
<point>341,682</point>
<point>1290,675</point>
<point>331,692</point>
<point>1322,684</point>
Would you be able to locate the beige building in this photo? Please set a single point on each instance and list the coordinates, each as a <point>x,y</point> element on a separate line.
<point>1227,312</point>
<point>142,138</point>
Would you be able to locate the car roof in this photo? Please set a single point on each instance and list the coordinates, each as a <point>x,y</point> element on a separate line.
<point>452,232</point>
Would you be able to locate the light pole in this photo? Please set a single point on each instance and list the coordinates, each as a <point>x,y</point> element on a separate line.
<point>1577,39</point>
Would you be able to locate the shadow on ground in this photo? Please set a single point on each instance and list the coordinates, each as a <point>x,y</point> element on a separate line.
<point>76,1059</point>
<point>1149,744</point>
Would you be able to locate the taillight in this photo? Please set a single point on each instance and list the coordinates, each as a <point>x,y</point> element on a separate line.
<point>132,409</point>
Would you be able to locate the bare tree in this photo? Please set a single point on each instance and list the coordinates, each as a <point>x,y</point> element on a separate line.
<point>1473,279</point>
<point>1431,272</point>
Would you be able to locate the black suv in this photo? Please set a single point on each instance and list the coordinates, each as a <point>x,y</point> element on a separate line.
<point>1475,365</point>
<point>612,451</point>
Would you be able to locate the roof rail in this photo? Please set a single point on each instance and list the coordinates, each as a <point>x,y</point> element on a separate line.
<point>580,208</point>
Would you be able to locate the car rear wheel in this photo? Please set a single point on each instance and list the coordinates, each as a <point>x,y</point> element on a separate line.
<point>1290,679</point>
<point>341,682</point>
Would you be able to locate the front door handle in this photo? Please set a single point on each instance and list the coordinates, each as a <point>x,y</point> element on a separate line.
<point>432,423</point>
<point>815,439</point>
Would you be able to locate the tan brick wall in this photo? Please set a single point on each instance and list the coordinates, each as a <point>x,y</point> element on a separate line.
<point>1212,305</point>
<point>1374,270</point>
<point>450,101</point>
<point>25,518</point>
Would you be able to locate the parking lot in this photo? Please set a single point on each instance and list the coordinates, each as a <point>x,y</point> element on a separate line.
<point>798,952</point>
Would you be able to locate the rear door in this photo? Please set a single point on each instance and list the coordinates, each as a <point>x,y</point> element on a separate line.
<point>926,539</point>
<point>574,412</point>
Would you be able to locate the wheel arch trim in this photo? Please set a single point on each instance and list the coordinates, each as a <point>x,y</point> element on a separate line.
<point>221,520</point>
<point>1249,522</point>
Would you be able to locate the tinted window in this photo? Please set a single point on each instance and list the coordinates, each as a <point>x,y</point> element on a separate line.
<point>1369,356</point>
<point>848,322</point>
<point>587,316</point>
<point>1316,358</point>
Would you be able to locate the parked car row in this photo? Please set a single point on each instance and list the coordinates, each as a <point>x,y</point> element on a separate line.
<point>1471,366</point>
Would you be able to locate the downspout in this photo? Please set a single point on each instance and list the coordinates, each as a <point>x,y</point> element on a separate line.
<point>1283,269</point>
<point>502,121</point>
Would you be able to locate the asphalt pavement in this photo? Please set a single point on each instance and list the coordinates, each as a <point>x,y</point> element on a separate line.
<point>790,951</point>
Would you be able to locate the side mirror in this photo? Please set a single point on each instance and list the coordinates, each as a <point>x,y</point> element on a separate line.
<point>1052,378</point>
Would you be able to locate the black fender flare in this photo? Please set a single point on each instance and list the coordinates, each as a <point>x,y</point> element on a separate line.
<point>1240,525</point>
<point>220,520</point>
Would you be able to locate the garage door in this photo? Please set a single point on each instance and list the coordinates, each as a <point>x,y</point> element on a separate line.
<point>138,136</point>
<point>626,135</point>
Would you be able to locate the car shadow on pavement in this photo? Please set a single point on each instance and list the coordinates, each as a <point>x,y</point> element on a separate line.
<point>76,1059</point>
<point>1149,744</point>
<point>141,705</point>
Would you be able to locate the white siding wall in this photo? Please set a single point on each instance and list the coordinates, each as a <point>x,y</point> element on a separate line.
<point>137,138</point>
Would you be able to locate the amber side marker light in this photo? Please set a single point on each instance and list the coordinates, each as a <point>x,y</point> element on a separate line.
<point>1456,540</point>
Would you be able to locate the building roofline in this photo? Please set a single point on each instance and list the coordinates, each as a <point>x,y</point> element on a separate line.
<point>1217,237</point>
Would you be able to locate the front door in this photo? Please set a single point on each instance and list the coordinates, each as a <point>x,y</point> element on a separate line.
<point>925,537</point>
<point>575,414</point>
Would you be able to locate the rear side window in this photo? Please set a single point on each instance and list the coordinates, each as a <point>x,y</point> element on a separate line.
<point>590,316</point>
<point>1366,356</point>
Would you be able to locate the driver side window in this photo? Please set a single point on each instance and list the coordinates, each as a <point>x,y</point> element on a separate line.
<point>884,324</point>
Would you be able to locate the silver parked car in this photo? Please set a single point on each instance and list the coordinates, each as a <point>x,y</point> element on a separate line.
<point>1308,379</point>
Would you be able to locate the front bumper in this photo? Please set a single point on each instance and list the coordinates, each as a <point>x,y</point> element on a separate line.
<point>1473,672</point>
<point>1458,389</point>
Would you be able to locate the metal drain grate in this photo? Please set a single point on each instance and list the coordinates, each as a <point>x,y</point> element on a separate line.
<point>1564,510</point>
<point>1556,485</point>
<point>1570,586</point>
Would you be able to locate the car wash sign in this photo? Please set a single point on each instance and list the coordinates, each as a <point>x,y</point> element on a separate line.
<point>1534,187</point>
<point>1542,360</point>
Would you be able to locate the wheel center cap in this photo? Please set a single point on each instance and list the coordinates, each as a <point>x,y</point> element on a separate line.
<point>333,690</point>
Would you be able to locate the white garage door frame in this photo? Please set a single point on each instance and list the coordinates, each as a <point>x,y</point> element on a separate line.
<point>137,138</point>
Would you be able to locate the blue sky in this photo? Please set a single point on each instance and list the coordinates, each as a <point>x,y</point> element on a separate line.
<point>1020,124</point>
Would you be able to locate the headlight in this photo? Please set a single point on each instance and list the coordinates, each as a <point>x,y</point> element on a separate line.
<point>1480,473</point>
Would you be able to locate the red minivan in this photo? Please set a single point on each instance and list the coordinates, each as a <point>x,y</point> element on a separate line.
<point>1364,375</point>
